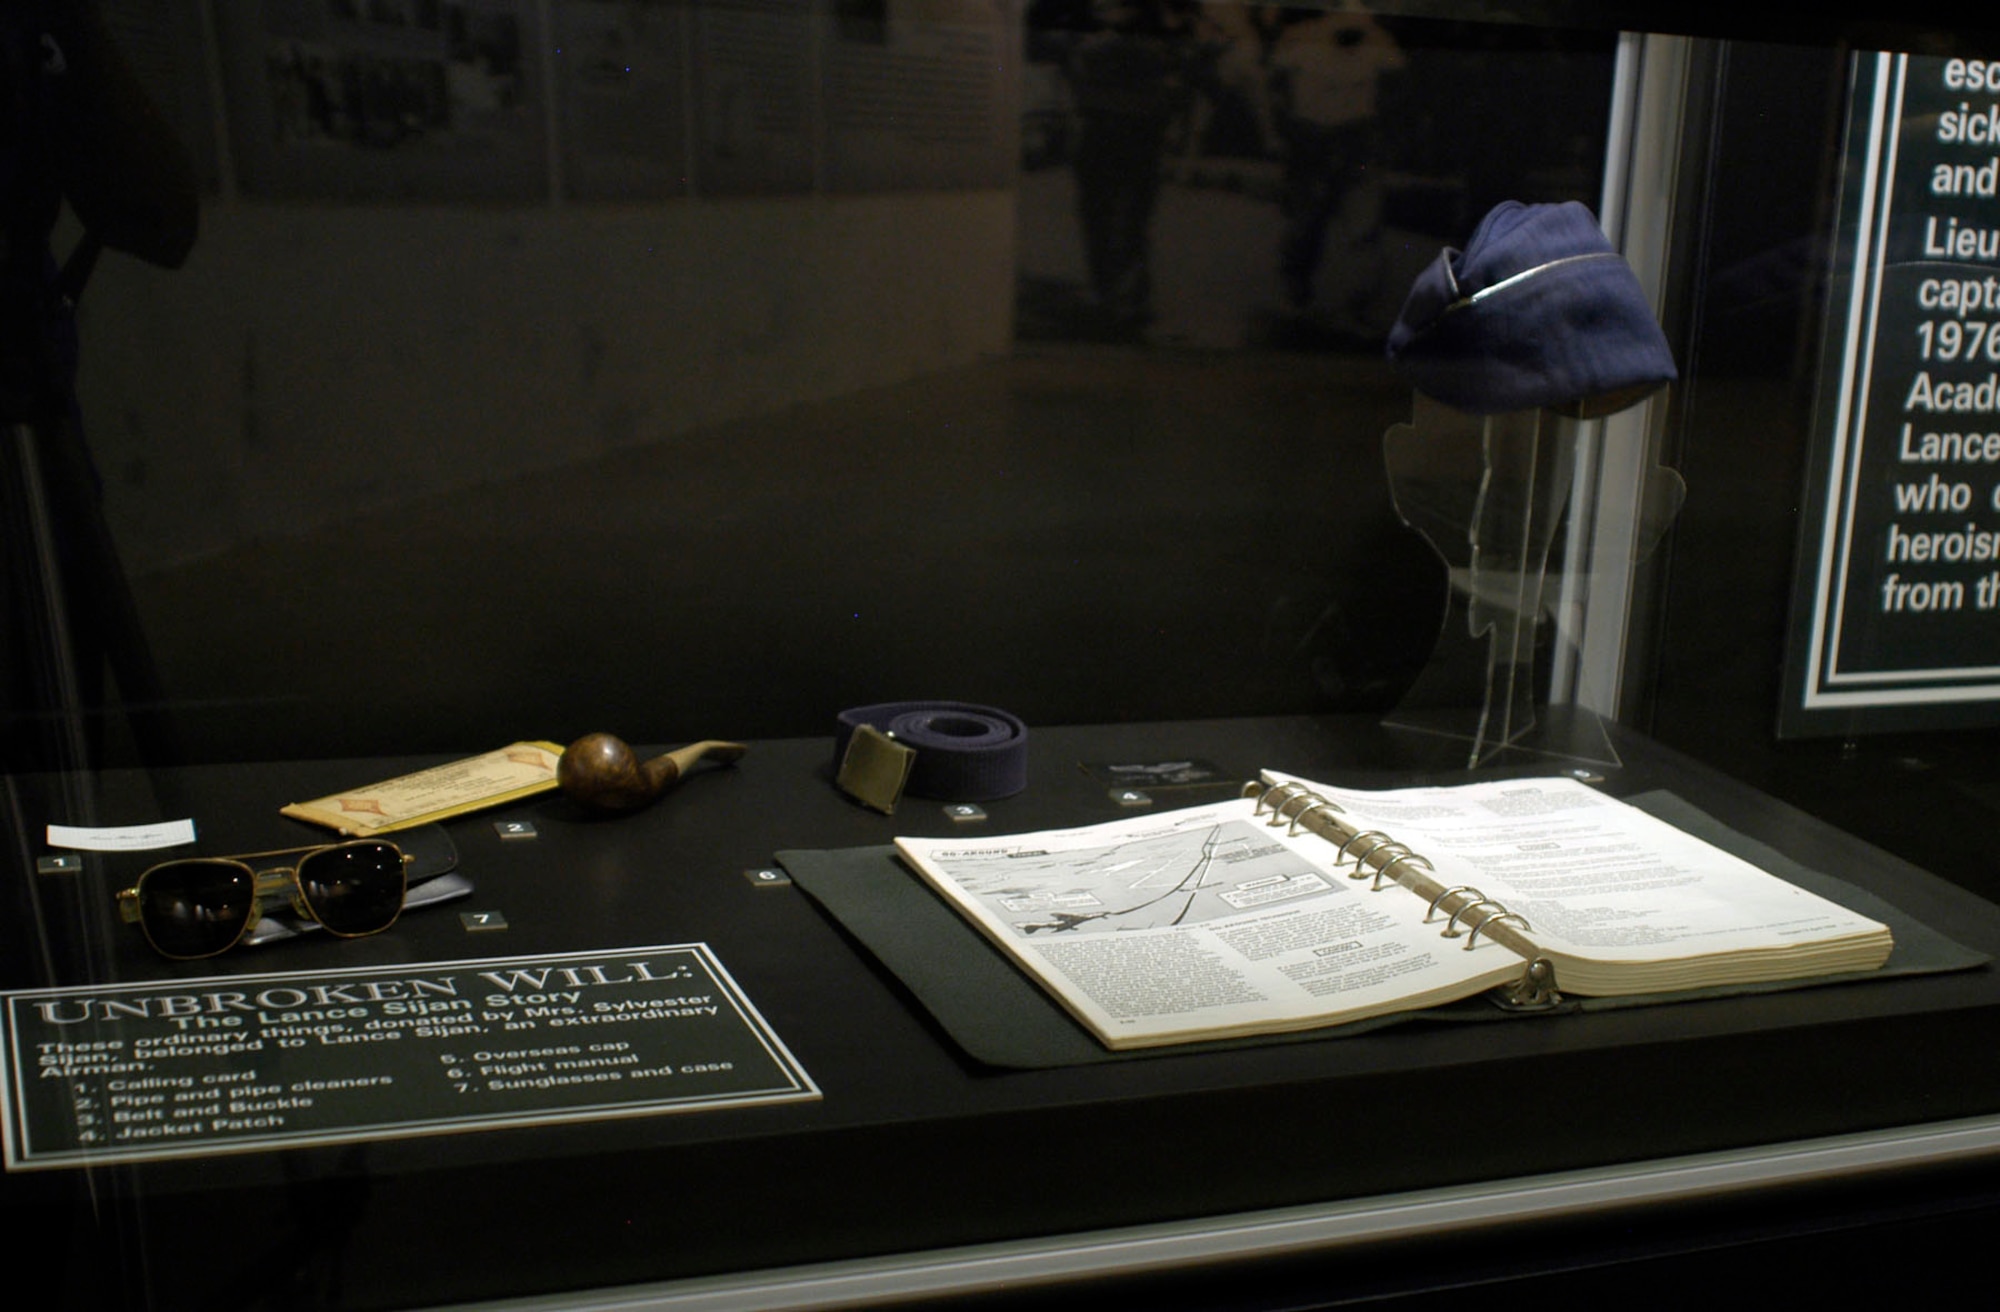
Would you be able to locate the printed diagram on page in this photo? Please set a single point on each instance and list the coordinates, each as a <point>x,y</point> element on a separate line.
<point>1180,878</point>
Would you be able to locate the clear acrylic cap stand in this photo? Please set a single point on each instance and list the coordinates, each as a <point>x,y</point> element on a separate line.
<point>1489,493</point>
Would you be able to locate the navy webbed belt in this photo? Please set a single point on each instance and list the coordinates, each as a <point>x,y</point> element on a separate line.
<point>964,753</point>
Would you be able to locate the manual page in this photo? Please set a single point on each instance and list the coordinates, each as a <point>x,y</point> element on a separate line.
<point>1203,923</point>
<point>1623,902</point>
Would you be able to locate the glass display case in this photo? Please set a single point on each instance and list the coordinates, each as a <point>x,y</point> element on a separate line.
<point>404,389</point>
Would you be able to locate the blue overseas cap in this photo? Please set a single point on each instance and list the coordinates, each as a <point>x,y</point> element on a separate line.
<point>1536,311</point>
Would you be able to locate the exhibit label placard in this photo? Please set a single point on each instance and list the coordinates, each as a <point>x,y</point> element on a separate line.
<point>191,1067</point>
<point>1896,612</point>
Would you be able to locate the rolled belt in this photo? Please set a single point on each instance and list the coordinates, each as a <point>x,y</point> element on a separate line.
<point>965,753</point>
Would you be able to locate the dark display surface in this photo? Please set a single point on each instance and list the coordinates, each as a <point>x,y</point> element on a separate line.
<point>914,1146</point>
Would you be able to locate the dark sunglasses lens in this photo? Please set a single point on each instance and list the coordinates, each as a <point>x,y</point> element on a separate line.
<point>356,888</point>
<point>196,908</point>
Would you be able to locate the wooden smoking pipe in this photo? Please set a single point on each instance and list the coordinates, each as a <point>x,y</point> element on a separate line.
<point>602,772</point>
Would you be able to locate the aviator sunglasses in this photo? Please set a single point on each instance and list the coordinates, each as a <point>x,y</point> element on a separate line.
<point>201,906</point>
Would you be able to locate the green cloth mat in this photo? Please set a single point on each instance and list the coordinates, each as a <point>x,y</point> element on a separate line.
<point>1002,1017</point>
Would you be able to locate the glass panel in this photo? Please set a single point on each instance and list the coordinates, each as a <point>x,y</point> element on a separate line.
<point>689,370</point>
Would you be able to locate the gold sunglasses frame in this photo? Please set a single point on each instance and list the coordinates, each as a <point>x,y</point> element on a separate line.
<point>265,882</point>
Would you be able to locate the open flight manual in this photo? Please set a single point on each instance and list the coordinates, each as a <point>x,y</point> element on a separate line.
<point>1311,905</point>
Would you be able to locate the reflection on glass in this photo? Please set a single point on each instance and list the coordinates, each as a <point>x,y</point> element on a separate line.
<point>701,368</point>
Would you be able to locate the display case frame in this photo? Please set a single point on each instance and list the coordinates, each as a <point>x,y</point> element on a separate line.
<point>1564,1154</point>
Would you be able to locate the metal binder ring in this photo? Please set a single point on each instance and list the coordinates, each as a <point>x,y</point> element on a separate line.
<point>1251,788</point>
<point>1272,793</point>
<point>1473,937</point>
<point>1318,804</point>
<point>1376,834</point>
<point>1451,929</point>
<point>1408,856</point>
<point>1395,851</point>
<point>1299,794</point>
<point>1456,888</point>
<point>1279,815</point>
